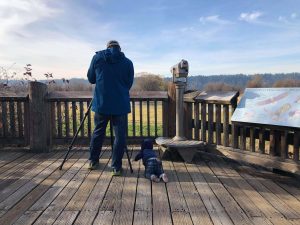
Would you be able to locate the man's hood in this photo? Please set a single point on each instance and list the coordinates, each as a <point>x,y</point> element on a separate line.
<point>112,55</point>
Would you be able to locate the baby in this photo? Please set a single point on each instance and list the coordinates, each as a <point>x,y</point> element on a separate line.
<point>153,167</point>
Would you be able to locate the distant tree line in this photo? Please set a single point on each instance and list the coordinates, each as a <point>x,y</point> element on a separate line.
<point>153,82</point>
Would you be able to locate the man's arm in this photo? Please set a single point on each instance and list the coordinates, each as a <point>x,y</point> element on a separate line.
<point>138,156</point>
<point>91,72</point>
<point>130,75</point>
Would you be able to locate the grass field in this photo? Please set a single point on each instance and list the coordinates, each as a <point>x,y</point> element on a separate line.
<point>140,122</point>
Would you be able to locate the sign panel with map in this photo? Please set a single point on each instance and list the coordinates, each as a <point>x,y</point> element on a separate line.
<point>270,106</point>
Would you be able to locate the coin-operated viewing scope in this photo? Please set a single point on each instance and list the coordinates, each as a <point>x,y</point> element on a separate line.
<point>180,71</point>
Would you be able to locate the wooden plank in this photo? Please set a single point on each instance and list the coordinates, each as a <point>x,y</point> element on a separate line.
<point>176,197</point>
<point>26,188</point>
<point>284,145</point>
<point>252,139</point>
<point>225,198</point>
<point>141,118</point>
<point>9,157</point>
<point>95,200</point>
<point>296,145</point>
<point>12,178</point>
<point>1,125</point>
<point>89,120</point>
<point>290,188</point>
<point>196,207</point>
<point>80,197</point>
<point>4,119</point>
<point>45,200</point>
<point>26,123</point>
<point>196,121</point>
<point>8,188</point>
<point>262,140</point>
<point>53,120</point>
<point>143,193</point>
<point>211,202</point>
<point>14,166</point>
<point>2,212</point>
<point>66,218</point>
<point>133,117</point>
<point>59,119</point>
<point>180,218</point>
<point>57,206</point>
<point>104,218</point>
<point>74,117</point>
<point>167,126</point>
<point>81,118</point>
<point>276,202</point>
<point>161,207</point>
<point>14,213</point>
<point>210,123</point>
<point>203,122</point>
<point>87,95</point>
<point>12,119</point>
<point>272,148</point>
<point>67,118</point>
<point>148,118</point>
<point>125,213</point>
<point>112,199</point>
<point>226,125</point>
<point>188,118</point>
<point>243,138</point>
<point>20,120</point>
<point>28,218</point>
<point>218,124</point>
<point>237,193</point>
<point>143,218</point>
<point>155,118</point>
<point>282,194</point>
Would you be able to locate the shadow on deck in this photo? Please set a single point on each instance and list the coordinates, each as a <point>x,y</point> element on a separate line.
<point>211,191</point>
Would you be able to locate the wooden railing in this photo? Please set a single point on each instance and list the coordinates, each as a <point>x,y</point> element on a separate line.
<point>148,110</point>
<point>14,120</point>
<point>207,118</point>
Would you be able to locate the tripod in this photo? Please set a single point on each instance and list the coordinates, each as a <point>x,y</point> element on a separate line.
<point>77,132</point>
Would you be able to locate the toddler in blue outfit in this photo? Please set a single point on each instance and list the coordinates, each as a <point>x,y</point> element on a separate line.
<point>153,167</point>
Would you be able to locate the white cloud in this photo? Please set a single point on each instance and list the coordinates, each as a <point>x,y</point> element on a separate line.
<point>16,14</point>
<point>213,19</point>
<point>250,17</point>
<point>294,15</point>
<point>282,19</point>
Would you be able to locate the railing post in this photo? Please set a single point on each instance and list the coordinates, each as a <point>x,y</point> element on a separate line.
<point>38,118</point>
<point>171,110</point>
<point>188,119</point>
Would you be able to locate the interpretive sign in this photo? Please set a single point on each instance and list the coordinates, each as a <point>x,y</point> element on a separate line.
<point>270,106</point>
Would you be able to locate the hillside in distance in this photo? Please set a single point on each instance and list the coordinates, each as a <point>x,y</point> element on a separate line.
<point>238,80</point>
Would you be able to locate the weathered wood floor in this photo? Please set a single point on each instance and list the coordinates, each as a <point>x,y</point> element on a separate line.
<point>34,191</point>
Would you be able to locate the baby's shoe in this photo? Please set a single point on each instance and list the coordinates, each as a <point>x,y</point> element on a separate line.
<point>164,177</point>
<point>154,178</point>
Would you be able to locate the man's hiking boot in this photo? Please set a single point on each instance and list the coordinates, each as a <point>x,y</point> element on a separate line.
<point>116,172</point>
<point>93,165</point>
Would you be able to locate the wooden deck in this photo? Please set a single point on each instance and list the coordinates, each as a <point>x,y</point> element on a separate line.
<point>213,191</point>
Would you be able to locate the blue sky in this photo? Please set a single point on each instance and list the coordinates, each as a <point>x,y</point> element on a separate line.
<point>215,36</point>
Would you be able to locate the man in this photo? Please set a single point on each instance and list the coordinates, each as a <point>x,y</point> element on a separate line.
<point>113,75</point>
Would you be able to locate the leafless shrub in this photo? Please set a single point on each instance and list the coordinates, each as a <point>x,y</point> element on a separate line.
<point>255,82</point>
<point>220,87</point>
<point>287,83</point>
<point>149,82</point>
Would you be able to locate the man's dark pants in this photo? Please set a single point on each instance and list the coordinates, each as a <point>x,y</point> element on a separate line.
<point>120,128</point>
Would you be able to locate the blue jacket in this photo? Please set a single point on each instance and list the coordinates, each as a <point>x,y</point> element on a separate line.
<point>113,75</point>
<point>146,151</point>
